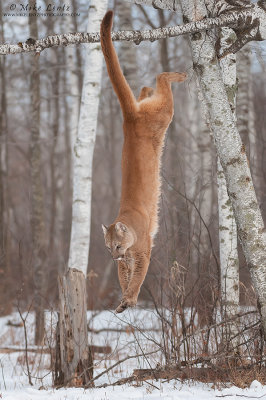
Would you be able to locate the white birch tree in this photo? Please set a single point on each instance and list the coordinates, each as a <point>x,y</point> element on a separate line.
<point>229,263</point>
<point>73,87</point>
<point>127,51</point>
<point>76,363</point>
<point>232,155</point>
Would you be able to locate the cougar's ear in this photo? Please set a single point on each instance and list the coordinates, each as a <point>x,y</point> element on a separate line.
<point>120,228</point>
<point>104,228</point>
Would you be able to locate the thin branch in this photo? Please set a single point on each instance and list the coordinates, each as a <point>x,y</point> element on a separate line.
<point>96,331</point>
<point>158,4</point>
<point>148,19</point>
<point>3,376</point>
<point>26,340</point>
<point>231,18</point>
<point>202,220</point>
<point>241,395</point>
<point>8,350</point>
<point>117,363</point>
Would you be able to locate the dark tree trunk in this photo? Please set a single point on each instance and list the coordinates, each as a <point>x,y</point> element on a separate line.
<point>4,202</point>
<point>38,225</point>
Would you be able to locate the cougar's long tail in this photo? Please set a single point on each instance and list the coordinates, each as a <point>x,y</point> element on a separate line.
<point>125,96</point>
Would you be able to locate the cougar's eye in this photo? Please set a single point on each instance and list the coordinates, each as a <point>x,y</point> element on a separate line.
<point>118,247</point>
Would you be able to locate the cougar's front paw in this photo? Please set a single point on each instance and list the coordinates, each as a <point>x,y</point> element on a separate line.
<point>126,303</point>
<point>121,308</point>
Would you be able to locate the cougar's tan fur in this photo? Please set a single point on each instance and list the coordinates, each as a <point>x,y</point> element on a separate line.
<point>130,237</point>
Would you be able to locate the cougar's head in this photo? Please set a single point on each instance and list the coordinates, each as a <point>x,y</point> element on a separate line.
<point>118,238</point>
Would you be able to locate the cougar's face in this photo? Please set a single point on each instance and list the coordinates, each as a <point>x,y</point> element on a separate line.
<point>118,238</point>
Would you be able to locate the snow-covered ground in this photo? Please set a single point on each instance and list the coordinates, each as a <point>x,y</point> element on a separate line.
<point>134,332</point>
<point>166,391</point>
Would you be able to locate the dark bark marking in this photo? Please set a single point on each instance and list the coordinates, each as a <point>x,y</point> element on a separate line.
<point>235,160</point>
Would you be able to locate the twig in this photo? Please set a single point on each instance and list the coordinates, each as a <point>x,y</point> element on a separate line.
<point>7,350</point>
<point>201,218</point>
<point>26,341</point>
<point>158,4</point>
<point>96,331</point>
<point>241,395</point>
<point>117,363</point>
<point>117,383</point>
<point>156,387</point>
<point>3,374</point>
<point>49,350</point>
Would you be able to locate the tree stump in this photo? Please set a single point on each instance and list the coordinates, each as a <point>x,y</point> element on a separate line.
<point>76,365</point>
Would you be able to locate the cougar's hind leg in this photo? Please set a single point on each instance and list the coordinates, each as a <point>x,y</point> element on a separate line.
<point>165,77</point>
<point>163,81</point>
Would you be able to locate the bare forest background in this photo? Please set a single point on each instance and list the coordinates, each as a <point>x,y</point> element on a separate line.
<point>189,229</point>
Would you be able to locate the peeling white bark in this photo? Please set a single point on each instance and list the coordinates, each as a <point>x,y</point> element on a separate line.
<point>228,248</point>
<point>73,87</point>
<point>229,263</point>
<point>250,226</point>
<point>127,51</point>
<point>84,147</point>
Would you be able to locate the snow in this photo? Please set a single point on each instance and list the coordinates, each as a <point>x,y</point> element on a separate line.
<point>166,391</point>
<point>13,373</point>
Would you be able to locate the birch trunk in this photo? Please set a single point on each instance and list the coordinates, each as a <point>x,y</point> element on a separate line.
<point>67,192</point>
<point>229,263</point>
<point>250,226</point>
<point>73,88</point>
<point>38,225</point>
<point>84,147</point>
<point>127,51</point>
<point>78,49</point>
<point>76,362</point>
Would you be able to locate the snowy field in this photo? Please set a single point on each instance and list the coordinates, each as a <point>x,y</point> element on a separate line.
<point>135,332</point>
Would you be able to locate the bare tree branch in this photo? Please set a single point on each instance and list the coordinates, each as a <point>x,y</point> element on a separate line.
<point>250,22</point>
<point>117,363</point>
<point>172,5</point>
